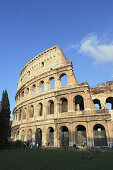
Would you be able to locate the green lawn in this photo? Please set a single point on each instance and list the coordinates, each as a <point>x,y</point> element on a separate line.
<point>53,159</point>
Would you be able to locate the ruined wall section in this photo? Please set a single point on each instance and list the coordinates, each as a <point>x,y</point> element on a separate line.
<point>44,62</point>
<point>102,92</point>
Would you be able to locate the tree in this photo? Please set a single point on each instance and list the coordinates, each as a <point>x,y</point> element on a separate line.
<point>4,119</point>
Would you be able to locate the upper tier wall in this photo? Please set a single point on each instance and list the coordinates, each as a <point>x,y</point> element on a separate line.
<point>42,63</point>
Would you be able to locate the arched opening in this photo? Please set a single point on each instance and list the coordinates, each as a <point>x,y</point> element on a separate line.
<point>99,135</point>
<point>24,114</point>
<point>42,86</point>
<point>64,136</point>
<point>109,103</point>
<point>31,111</point>
<point>52,83</point>
<point>22,135</point>
<point>80,135</point>
<point>50,107</point>
<point>50,136</point>
<point>22,93</point>
<point>63,79</point>
<point>38,137</point>
<point>27,91</point>
<point>40,109</point>
<point>97,103</point>
<point>29,135</point>
<point>79,103</point>
<point>34,89</point>
<point>64,105</point>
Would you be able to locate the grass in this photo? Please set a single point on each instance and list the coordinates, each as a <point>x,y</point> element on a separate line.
<point>50,159</point>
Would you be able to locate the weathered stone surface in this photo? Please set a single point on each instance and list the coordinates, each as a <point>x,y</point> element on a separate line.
<point>60,115</point>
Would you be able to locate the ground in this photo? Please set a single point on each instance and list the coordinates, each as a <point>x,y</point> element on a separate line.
<point>52,159</point>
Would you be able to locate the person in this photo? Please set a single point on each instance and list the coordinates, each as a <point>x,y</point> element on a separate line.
<point>112,146</point>
<point>83,144</point>
<point>24,145</point>
<point>37,145</point>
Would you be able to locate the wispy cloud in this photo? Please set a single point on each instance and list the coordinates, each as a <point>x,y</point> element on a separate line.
<point>72,46</point>
<point>96,48</point>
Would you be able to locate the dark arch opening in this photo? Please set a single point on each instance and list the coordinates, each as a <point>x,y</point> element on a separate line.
<point>38,137</point>
<point>97,103</point>
<point>64,105</point>
<point>99,135</point>
<point>50,136</point>
<point>51,107</point>
<point>40,109</point>
<point>34,89</point>
<point>109,103</point>
<point>79,103</point>
<point>64,136</point>
<point>80,135</point>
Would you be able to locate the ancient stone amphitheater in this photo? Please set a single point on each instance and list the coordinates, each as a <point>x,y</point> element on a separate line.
<point>52,109</point>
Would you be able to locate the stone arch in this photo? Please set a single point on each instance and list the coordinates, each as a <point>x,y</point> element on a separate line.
<point>100,138</point>
<point>80,135</point>
<point>50,107</point>
<point>63,105</point>
<point>29,135</point>
<point>23,93</point>
<point>64,136</point>
<point>109,103</point>
<point>50,136</point>
<point>97,103</point>
<point>42,86</point>
<point>78,103</point>
<point>22,135</point>
<point>38,137</point>
<point>34,89</point>
<point>52,83</point>
<point>27,91</point>
<point>24,110</point>
<point>40,109</point>
<point>63,79</point>
<point>31,111</point>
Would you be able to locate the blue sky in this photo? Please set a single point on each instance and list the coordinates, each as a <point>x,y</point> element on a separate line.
<point>83,29</point>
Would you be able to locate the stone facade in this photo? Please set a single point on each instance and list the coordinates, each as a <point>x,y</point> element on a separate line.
<point>55,114</point>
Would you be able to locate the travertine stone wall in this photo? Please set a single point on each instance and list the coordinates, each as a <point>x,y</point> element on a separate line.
<point>62,110</point>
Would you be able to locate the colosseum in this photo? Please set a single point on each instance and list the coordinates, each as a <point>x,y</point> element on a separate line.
<point>53,109</point>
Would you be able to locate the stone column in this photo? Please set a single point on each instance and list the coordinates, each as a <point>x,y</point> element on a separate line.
<point>57,82</point>
<point>44,137</point>
<point>88,103</point>
<point>55,135</point>
<point>35,111</point>
<point>71,80</point>
<point>70,104</point>
<point>71,134</point>
<point>108,128</point>
<point>89,133</point>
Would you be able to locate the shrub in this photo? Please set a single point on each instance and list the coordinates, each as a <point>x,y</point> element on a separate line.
<point>18,144</point>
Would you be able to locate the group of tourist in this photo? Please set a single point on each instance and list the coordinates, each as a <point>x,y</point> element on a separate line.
<point>29,145</point>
